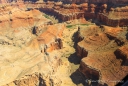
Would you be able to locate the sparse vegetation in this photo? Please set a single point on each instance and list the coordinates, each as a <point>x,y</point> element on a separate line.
<point>52,18</point>
<point>70,26</point>
<point>46,16</point>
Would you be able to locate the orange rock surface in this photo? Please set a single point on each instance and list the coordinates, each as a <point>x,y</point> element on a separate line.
<point>31,47</point>
<point>103,59</point>
<point>51,36</point>
<point>35,46</point>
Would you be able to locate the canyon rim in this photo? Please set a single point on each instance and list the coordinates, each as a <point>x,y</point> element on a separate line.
<point>63,42</point>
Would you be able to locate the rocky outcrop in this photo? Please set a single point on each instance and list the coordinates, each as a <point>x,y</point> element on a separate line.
<point>122,53</point>
<point>17,22</point>
<point>89,10</point>
<point>51,38</point>
<point>32,46</point>
<point>61,13</point>
<point>44,66</point>
<point>31,80</point>
<point>94,1</point>
<point>82,9</point>
<point>115,17</point>
<point>14,17</point>
<point>29,39</point>
<point>105,59</point>
<point>89,72</point>
<point>68,12</point>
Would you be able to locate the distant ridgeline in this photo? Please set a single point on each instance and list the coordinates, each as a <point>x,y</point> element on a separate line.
<point>91,1</point>
<point>109,12</point>
<point>72,1</point>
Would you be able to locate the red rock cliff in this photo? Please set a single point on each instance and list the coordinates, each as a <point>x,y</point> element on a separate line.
<point>105,61</point>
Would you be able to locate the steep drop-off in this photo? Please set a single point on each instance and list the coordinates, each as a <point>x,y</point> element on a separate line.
<point>104,61</point>
<point>30,49</point>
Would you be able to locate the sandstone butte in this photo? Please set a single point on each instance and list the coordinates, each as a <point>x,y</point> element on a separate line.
<point>67,43</point>
<point>102,54</point>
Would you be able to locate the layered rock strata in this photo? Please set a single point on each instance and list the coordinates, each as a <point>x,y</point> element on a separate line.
<point>17,25</point>
<point>115,17</point>
<point>104,61</point>
<point>70,11</point>
<point>66,12</point>
<point>32,49</point>
<point>93,1</point>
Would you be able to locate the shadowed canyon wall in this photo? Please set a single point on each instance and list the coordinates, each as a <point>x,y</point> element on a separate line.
<point>105,62</point>
<point>66,12</point>
<point>29,37</point>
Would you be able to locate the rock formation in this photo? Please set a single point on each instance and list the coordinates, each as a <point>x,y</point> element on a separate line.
<point>94,1</point>
<point>115,17</point>
<point>26,37</point>
<point>104,61</point>
<point>38,41</point>
<point>17,22</point>
<point>67,12</point>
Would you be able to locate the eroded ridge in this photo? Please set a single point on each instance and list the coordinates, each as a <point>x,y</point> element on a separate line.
<point>104,54</point>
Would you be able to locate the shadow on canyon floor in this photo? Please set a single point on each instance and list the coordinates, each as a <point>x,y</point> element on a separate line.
<point>41,82</point>
<point>124,82</point>
<point>78,78</point>
<point>73,58</point>
<point>122,57</point>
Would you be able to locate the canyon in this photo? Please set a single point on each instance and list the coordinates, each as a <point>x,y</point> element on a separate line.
<point>66,43</point>
<point>109,15</point>
<point>108,66</point>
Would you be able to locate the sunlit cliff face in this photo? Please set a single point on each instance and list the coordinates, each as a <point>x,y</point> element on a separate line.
<point>63,48</point>
<point>74,1</point>
<point>94,1</point>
